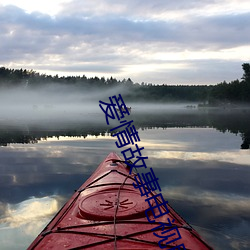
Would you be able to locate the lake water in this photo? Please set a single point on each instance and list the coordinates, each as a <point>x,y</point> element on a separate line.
<point>197,154</point>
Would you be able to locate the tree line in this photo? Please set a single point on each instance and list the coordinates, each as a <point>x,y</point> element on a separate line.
<point>232,121</point>
<point>236,91</point>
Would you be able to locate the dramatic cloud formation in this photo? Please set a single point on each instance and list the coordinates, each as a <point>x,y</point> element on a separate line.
<point>26,220</point>
<point>187,42</point>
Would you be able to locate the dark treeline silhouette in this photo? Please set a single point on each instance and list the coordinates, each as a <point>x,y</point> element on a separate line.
<point>232,121</point>
<point>237,91</point>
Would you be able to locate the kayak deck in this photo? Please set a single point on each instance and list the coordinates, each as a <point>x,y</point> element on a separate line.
<point>108,212</point>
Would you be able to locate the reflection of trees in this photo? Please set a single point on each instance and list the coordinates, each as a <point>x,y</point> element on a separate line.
<point>16,137</point>
<point>233,121</point>
<point>20,135</point>
<point>246,141</point>
<point>237,122</point>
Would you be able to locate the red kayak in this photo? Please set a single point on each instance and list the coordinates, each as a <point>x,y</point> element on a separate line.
<point>108,212</point>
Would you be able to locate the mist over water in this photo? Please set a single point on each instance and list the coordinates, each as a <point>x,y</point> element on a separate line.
<point>63,103</point>
<point>195,153</point>
<point>55,102</point>
<point>60,107</point>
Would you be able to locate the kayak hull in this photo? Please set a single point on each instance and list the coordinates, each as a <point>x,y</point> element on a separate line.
<point>108,212</point>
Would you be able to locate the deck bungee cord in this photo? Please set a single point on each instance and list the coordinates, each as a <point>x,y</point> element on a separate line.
<point>108,211</point>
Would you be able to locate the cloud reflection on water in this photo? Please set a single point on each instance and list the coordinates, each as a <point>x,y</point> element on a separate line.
<point>204,178</point>
<point>29,210</point>
<point>236,156</point>
<point>226,216</point>
<point>25,220</point>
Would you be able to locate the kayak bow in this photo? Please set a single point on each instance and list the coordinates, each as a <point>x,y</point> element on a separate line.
<point>108,212</point>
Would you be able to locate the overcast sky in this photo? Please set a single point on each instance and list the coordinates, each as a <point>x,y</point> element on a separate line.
<point>157,41</point>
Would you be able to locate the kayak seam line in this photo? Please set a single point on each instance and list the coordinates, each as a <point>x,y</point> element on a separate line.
<point>117,207</point>
<point>107,184</point>
<point>110,222</point>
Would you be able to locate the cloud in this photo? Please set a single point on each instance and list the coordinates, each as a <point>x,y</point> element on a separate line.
<point>29,210</point>
<point>117,30</point>
<point>125,40</point>
<point>26,220</point>
<point>148,10</point>
<point>233,204</point>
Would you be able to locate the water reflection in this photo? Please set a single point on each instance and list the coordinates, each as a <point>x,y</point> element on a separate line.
<point>20,222</point>
<point>233,121</point>
<point>202,172</point>
<point>29,210</point>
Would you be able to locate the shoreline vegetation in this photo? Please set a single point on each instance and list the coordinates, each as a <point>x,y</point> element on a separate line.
<point>222,95</point>
<point>26,132</point>
<point>48,100</point>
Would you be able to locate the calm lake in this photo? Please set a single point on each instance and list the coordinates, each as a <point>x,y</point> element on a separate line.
<point>201,157</point>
